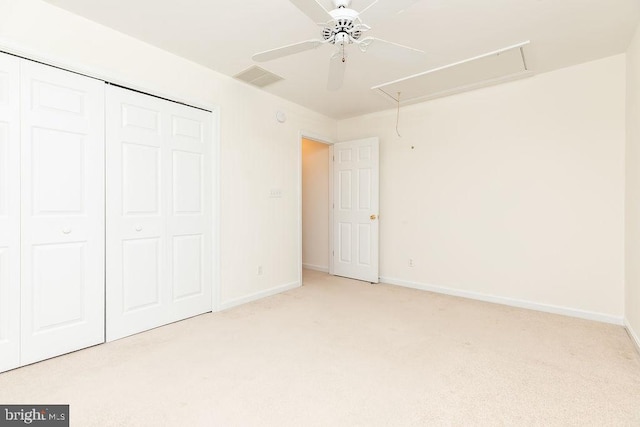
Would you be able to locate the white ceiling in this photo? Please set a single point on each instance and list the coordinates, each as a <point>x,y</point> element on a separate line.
<point>223,35</point>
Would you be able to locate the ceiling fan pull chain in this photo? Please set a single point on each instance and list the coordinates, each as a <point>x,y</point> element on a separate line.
<point>398,116</point>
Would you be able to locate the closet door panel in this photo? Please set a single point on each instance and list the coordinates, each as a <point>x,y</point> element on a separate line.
<point>62,170</point>
<point>137,298</point>
<point>159,212</point>
<point>9,212</point>
<point>189,219</point>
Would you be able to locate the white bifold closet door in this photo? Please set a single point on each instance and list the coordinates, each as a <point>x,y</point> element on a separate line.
<point>9,212</point>
<point>159,212</point>
<point>62,218</point>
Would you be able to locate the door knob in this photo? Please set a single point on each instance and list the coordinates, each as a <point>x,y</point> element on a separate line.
<point>138,228</point>
<point>373,217</point>
<point>66,230</point>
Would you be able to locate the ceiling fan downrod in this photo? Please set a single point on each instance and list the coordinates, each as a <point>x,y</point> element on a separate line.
<point>341,4</point>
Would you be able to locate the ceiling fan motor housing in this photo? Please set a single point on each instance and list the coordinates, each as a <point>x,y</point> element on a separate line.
<point>346,26</point>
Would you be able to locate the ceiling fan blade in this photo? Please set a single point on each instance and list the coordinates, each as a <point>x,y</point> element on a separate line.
<point>291,49</point>
<point>337,68</point>
<point>389,50</point>
<point>313,9</point>
<point>384,9</point>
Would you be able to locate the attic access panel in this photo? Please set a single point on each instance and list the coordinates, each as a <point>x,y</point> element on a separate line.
<point>490,68</point>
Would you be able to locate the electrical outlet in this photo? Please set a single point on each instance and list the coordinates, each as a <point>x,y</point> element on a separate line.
<point>411,262</point>
<point>259,270</point>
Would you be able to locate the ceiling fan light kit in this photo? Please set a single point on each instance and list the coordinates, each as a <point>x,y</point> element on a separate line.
<point>341,27</point>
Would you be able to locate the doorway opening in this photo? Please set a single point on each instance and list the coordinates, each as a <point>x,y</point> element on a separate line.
<point>340,240</point>
<point>315,201</point>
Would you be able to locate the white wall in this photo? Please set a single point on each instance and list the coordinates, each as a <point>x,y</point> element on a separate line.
<point>514,191</point>
<point>315,205</point>
<point>632,295</point>
<point>257,154</point>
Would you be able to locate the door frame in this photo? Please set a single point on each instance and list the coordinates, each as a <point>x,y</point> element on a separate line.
<point>327,141</point>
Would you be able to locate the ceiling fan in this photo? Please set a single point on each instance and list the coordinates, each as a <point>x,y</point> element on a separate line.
<point>341,27</point>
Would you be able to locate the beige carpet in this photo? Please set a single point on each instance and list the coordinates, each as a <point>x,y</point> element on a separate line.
<point>337,352</point>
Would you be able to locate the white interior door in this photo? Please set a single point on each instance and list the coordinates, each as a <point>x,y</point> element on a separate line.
<point>9,212</point>
<point>159,212</point>
<point>355,209</point>
<point>62,169</point>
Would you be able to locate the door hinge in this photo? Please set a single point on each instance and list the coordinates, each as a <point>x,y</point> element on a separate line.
<point>334,158</point>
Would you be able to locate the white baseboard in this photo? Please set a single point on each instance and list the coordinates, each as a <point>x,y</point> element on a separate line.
<point>565,311</point>
<point>634,336</point>
<point>258,295</point>
<point>315,268</point>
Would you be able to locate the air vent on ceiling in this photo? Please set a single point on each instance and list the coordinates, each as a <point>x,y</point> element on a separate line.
<point>484,70</point>
<point>257,76</point>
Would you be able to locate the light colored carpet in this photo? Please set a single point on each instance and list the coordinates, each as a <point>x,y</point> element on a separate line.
<point>338,352</point>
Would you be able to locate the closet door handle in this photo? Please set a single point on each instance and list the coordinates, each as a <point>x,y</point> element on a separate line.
<point>138,228</point>
<point>66,230</point>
